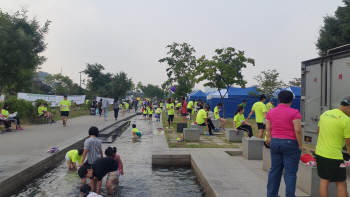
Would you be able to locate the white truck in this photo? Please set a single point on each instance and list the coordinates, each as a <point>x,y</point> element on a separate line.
<point>325,81</point>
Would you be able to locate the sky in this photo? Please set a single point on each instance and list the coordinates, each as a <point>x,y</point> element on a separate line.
<point>131,36</point>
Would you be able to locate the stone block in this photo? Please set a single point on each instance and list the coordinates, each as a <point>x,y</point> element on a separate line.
<point>192,134</point>
<point>309,182</point>
<point>251,148</point>
<point>216,123</point>
<point>202,129</point>
<point>181,126</point>
<point>232,136</point>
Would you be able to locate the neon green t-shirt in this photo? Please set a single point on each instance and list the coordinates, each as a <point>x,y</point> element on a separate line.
<point>161,104</point>
<point>159,110</point>
<point>65,105</point>
<point>195,104</point>
<point>150,111</point>
<point>135,130</point>
<point>259,108</point>
<point>145,111</point>
<point>189,105</point>
<point>239,118</point>
<point>334,128</point>
<point>178,105</point>
<point>5,113</point>
<point>40,110</point>
<point>243,105</point>
<point>202,114</point>
<point>74,156</point>
<point>126,105</point>
<point>170,111</point>
<point>216,113</point>
<point>269,106</point>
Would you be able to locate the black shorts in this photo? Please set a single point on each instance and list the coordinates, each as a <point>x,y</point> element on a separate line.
<point>189,111</point>
<point>184,114</point>
<point>42,114</point>
<point>177,108</point>
<point>329,169</point>
<point>261,126</point>
<point>150,115</point>
<point>64,113</point>
<point>144,114</point>
<point>161,107</point>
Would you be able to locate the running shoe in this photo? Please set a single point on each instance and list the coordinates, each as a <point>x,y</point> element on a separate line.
<point>8,130</point>
<point>20,128</point>
<point>1,132</point>
<point>216,130</point>
<point>167,127</point>
<point>53,121</point>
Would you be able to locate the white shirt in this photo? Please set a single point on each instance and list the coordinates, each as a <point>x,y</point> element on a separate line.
<point>93,194</point>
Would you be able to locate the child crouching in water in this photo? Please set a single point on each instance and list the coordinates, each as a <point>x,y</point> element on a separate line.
<point>135,132</point>
<point>112,153</point>
<point>73,156</point>
<point>85,191</point>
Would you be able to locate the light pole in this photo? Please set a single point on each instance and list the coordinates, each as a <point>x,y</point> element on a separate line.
<point>80,77</point>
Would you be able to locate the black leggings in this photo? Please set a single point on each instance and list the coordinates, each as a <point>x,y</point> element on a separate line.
<point>100,111</point>
<point>210,125</point>
<point>116,112</point>
<point>6,123</point>
<point>170,118</point>
<point>246,128</point>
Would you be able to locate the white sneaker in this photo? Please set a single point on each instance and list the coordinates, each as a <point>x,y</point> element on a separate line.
<point>166,127</point>
<point>171,127</point>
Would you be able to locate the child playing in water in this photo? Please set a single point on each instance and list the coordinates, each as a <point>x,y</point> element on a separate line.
<point>85,191</point>
<point>145,113</point>
<point>72,157</point>
<point>150,113</point>
<point>135,132</point>
<point>158,111</point>
<point>112,153</point>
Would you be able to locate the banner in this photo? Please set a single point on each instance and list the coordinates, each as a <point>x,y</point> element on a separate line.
<point>53,99</point>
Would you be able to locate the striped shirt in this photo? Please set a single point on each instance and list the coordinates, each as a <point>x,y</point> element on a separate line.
<point>94,146</point>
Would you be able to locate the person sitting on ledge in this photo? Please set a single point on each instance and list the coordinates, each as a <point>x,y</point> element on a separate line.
<point>203,119</point>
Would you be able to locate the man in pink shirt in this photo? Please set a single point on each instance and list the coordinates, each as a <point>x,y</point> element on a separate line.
<point>283,125</point>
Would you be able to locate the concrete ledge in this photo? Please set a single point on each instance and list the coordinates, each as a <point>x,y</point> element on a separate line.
<point>171,160</point>
<point>232,136</point>
<point>203,181</point>
<point>192,134</point>
<point>308,181</point>
<point>181,126</point>
<point>200,128</point>
<point>251,148</point>
<point>216,123</point>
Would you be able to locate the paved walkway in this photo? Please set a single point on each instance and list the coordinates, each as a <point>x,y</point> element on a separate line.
<point>23,151</point>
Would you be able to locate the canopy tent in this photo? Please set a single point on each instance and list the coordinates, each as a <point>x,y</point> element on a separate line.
<point>196,95</point>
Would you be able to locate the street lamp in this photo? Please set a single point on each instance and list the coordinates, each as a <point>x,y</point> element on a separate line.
<point>80,77</point>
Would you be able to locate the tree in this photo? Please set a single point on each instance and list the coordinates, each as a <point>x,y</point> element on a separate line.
<point>224,70</point>
<point>268,83</point>
<point>119,85</point>
<point>181,62</point>
<point>151,91</point>
<point>335,31</point>
<point>22,40</point>
<point>296,82</point>
<point>62,84</point>
<point>97,80</point>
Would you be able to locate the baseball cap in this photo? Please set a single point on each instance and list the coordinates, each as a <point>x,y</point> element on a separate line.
<point>346,100</point>
<point>262,96</point>
<point>271,99</point>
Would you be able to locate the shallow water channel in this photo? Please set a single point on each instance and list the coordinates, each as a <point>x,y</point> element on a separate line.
<point>139,179</point>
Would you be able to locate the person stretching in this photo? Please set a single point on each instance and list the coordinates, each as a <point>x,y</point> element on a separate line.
<point>239,122</point>
<point>217,116</point>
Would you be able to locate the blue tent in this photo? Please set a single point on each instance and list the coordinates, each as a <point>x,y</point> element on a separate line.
<point>197,95</point>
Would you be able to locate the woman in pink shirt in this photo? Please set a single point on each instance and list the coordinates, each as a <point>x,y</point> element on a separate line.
<point>183,109</point>
<point>283,125</point>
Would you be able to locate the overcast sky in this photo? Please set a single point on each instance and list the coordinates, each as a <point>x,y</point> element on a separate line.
<point>131,36</point>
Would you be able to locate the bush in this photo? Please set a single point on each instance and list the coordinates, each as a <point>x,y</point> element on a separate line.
<point>22,107</point>
<point>88,105</point>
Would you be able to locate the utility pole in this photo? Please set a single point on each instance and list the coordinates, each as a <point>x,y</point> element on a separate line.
<point>80,77</point>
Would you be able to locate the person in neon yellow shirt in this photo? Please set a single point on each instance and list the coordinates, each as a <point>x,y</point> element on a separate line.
<point>150,112</point>
<point>178,108</point>
<point>65,108</point>
<point>333,134</point>
<point>74,156</point>
<point>260,114</point>
<point>217,116</point>
<point>42,111</point>
<point>6,113</point>
<point>127,106</point>
<point>135,132</point>
<point>190,108</point>
<point>159,112</point>
<point>171,112</point>
<point>270,105</point>
<point>202,119</point>
<point>145,112</point>
<point>239,122</point>
<point>161,105</point>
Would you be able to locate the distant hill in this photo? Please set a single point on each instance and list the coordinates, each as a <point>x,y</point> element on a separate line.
<point>41,75</point>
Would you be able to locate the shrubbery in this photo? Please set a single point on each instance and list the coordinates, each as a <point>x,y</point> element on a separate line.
<point>22,107</point>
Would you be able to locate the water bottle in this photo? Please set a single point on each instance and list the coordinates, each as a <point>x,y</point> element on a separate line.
<point>188,125</point>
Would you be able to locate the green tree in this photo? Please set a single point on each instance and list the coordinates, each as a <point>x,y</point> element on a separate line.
<point>62,84</point>
<point>268,83</point>
<point>22,40</point>
<point>151,91</point>
<point>181,63</point>
<point>97,81</point>
<point>335,31</point>
<point>223,70</point>
<point>296,82</point>
<point>119,85</point>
